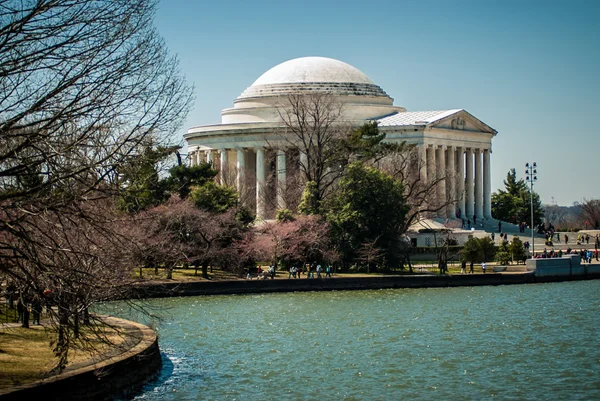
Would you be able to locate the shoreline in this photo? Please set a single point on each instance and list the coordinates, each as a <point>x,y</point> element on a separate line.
<point>235,287</point>
<point>116,373</point>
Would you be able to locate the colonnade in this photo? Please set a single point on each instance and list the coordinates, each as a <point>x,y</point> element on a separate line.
<point>463,177</point>
<point>462,174</point>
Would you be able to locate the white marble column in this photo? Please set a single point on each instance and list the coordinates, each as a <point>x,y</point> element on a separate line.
<point>281,179</point>
<point>303,164</point>
<point>487,185</point>
<point>423,163</point>
<point>209,156</point>
<point>198,157</point>
<point>241,168</point>
<point>441,174</point>
<point>224,166</point>
<point>460,180</point>
<point>431,164</point>
<point>261,180</point>
<point>469,184</point>
<point>478,185</point>
<point>451,182</point>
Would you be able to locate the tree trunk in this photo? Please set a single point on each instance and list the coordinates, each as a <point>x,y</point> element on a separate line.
<point>76,324</point>
<point>141,272</point>
<point>25,317</point>
<point>205,269</point>
<point>86,316</point>
<point>170,272</point>
<point>196,268</point>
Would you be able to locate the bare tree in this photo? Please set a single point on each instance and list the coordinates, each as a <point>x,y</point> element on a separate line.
<point>404,164</point>
<point>590,213</point>
<point>312,125</point>
<point>83,85</point>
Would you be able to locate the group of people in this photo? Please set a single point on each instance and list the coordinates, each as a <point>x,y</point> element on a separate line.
<point>503,237</point>
<point>311,270</point>
<point>262,273</point>
<point>296,272</point>
<point>463,267</point>
<point>586,254</point>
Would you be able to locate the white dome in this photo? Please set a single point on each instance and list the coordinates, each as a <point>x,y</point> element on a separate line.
<point>312,69</point>
<point>313,74</point>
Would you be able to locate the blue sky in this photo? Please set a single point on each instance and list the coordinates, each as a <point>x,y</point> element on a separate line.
<point>529,69</point>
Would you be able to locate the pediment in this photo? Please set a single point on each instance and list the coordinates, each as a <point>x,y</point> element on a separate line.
<point>463,121</point>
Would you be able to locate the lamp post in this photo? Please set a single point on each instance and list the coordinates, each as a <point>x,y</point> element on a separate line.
<point>531,178</point>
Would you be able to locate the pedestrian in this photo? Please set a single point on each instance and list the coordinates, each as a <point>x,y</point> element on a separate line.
<point>566,239</point>
<point>272,272</point>
<point>463,267</point>
<point>319,271</point>
<point>308,271</point>
<point>36,310</point>
<point>483,267</point>
<point>493,236</point>
<point>471,267</point>
<point>499,226</point>
<point>20,309</point>
<point>587,239</point>
<point>328,271</point>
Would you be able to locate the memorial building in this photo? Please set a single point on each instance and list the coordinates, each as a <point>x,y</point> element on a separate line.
<point>447,140</point>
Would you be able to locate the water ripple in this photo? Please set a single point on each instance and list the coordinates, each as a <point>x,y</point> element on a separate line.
<point>508,342</point>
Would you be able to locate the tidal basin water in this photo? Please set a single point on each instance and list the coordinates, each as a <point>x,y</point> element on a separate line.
<point>520,342</point>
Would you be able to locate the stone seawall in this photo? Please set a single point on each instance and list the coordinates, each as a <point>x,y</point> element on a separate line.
<point>337,284</point>
<point>117,374</point>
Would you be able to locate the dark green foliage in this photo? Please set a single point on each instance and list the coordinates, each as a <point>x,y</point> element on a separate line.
<point>245,216</point>
<point>310,203</point>
<point>517,250</point>
<point>367,207</point>
<point>503,255</point>
<point>182,177</point>
<point>366,142</point>
<point>514,204</point>
<point>488,249</point>
<point>284,215</point>
<point>140,185</point>
<point>479,250</point>
<point>214,198</point>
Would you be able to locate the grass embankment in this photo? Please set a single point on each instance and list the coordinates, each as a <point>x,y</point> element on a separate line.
<point>189,274</point>
<point>26,354</point>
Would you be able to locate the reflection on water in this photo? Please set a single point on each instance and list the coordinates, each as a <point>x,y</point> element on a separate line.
<point>525,342</point>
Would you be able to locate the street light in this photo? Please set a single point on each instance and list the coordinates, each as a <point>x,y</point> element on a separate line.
<point>531,178</point>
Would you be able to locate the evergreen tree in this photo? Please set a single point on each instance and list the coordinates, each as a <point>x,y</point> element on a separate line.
<point>471,250</point>
<point>310,204</point>
<point>517,250</point>
<point>214,198</point>
<point>182,177</point>
<point>368,206</point>
<point>503,255</point>
<point>513,203</point>
<point>140,184</point>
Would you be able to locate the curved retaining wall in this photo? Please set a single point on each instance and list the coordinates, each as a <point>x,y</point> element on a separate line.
<point>116,375</point>
<point>332,284</point>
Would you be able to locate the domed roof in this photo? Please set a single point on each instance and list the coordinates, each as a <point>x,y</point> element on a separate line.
<point>312,69</point>
<point>313,74</point>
